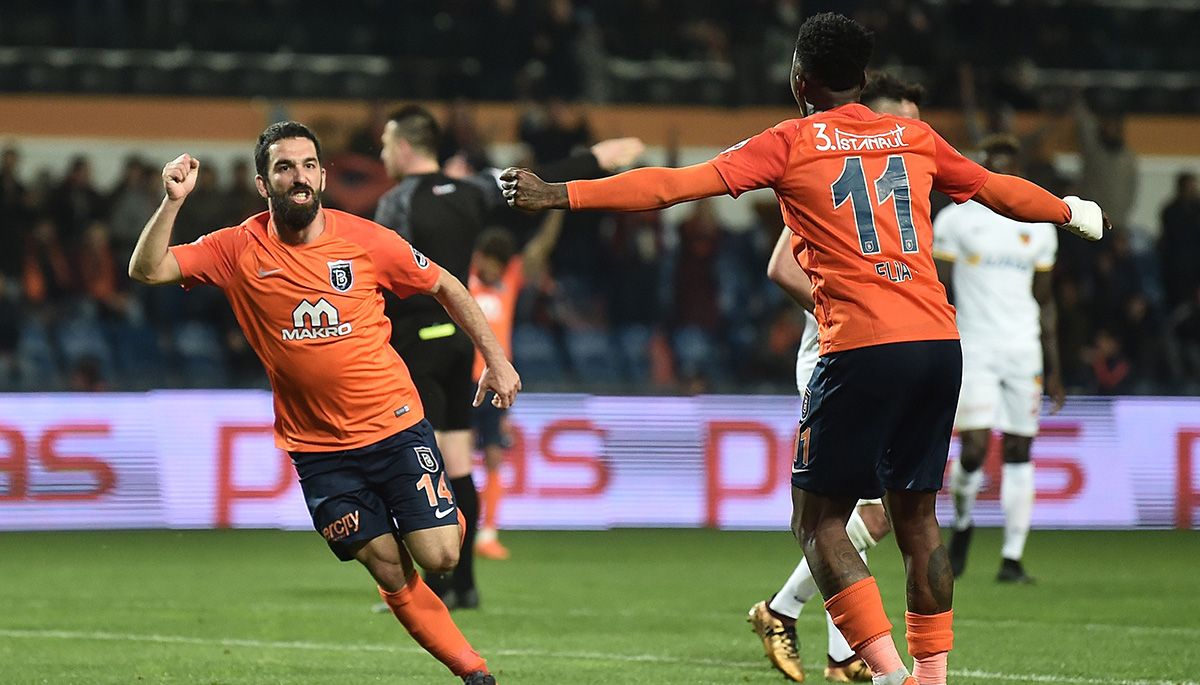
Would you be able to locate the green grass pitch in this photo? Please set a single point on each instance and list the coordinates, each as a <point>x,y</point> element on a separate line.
<point>627,606</point>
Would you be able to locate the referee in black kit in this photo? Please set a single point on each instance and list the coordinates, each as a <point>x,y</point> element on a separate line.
<point>442,218</point>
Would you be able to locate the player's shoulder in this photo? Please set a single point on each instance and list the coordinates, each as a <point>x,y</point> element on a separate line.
<point>252,229</point>
<point>357,229</point>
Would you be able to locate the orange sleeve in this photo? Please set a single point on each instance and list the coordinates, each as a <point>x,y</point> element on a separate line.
<point>649,188</point>
<point>757,162</point>
<point>514,273</point>
<point>211,259</point>
<point>399,267</point>
<point>1021,200</point>
<point>955,175</point>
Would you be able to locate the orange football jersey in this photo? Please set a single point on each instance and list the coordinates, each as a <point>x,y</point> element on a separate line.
<point>499,305</point>
<point>314,314</point>
<point>854,185</point>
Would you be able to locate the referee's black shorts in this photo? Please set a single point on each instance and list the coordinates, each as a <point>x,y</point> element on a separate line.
<point>440,358</point>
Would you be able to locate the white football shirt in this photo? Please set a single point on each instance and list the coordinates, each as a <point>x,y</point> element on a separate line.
<point>994,262</point>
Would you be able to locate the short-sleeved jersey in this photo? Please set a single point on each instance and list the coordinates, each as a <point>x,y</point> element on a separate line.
<point>499,305</point>
<point>855,185</point>
<point>994,262</point>
<point>314,314</point>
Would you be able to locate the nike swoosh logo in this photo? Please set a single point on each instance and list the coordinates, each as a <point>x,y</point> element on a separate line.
<point>262,274</point>
<point>443,514</point>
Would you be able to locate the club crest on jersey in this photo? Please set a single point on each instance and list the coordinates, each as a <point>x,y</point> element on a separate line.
<point>422,260</point>
<point>1026,238</point>
<point>426,459</point>
<point>341,276</point>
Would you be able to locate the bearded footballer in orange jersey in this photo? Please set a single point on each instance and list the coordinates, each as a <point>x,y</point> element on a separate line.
<point>879,409</point>
<point>305,284</point>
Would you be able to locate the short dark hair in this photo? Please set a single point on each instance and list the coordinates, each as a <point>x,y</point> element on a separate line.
<point>496,243</point>
<point>275,133</point>
<point>834,49</point>
<point>418,126</point>
<point>885,85</point>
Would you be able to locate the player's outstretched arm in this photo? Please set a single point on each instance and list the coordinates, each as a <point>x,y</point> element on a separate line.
<point>787,274</point>
<point>632,191</point>
<point>1021,200</point>
<point>498,376</point>
<point>152,262</point>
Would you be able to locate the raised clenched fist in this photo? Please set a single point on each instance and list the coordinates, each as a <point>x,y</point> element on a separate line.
<point>179,176</point>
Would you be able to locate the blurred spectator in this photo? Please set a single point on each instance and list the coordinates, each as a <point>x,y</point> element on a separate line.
<point>75,203</point>
<point>241,195</point>
<point>695,293</point>
<point>205,210</point>
<point>97,269</point>
<point>87,377</point>
<point>131,204</point>
<point>1179,242</point>
<point>1110,367</point>
<point>14,212</point>
<point>553,131</point>
<point>1185,330</point>
<point>1109,172</point>
<point>47,272</point>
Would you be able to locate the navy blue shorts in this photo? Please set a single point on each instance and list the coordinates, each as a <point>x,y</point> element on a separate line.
<point>878,418</point>
<point>489,426</point>
<point>396,485</point>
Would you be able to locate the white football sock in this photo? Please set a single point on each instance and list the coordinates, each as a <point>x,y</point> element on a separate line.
<point>964,487</point>
<point>839,649</point>
<point>1016,496</point>
<point>799,588</point>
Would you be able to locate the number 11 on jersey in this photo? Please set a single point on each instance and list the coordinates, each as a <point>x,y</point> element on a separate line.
<point>893,183</point>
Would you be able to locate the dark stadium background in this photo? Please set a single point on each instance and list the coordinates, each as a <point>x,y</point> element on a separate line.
<point>658,359</point>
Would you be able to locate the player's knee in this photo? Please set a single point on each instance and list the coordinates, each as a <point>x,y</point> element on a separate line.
<point>389,576</point>
<point>974,450</point>
<point>440,559</point>
<point>1016,449</point>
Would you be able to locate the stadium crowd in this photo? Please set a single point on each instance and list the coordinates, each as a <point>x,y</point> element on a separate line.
<point>600,50</point>
<point>633,303</point>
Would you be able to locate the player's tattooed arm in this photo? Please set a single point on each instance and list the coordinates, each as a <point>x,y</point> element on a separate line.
<point>152,262</point>
<point>498,376</point>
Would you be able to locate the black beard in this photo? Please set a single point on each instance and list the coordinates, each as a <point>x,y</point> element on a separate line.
<point>288,214</point>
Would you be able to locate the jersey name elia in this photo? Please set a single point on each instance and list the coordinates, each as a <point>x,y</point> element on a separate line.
<point>855,142</point>
<point>312,320</point>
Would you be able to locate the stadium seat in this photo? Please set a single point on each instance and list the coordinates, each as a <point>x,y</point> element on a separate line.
<point>35,357</point>
<point>137,355</point>
<point>81,338</point>
<point>594,360</point>
<point>633,341</point>
<point>201,356</point>
<point>536,356</point>
<point>695,353</point>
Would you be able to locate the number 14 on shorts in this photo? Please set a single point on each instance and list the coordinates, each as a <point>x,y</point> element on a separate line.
<point>433,495</point>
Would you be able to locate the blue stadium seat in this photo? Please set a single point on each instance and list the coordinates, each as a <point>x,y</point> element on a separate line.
<point>536,356</point>
<point>81,338</point>
<point>594,360</point>
<point>201,356</point>
<point>36,357</point>
<point>137,354</point>
<point>634,343</point>
<point>695,353</point>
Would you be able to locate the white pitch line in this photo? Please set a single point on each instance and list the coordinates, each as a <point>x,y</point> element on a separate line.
<point>591,656</point>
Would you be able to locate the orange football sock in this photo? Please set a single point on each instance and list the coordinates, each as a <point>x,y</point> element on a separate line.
<point>493,492</point>
<point>429,622</point>
<point>858,613</point>
<point>930,638</point>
